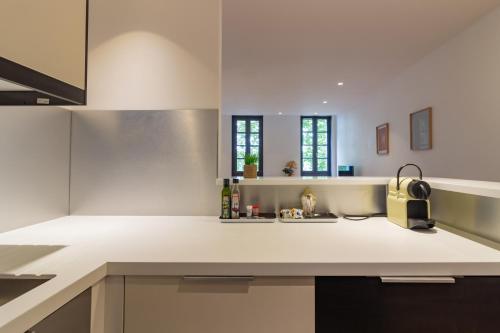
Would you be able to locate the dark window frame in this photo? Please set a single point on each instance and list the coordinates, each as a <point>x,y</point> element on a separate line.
<point>234,145</point>
<point>315,171</point>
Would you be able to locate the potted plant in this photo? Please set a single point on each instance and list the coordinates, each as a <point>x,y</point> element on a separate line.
<point>250,168</point>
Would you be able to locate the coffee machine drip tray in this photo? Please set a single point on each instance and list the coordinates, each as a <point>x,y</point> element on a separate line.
<point>415,223</point>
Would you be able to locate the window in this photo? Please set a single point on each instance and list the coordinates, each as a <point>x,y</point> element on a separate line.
<point>315,146</point>
<point>247,139</point>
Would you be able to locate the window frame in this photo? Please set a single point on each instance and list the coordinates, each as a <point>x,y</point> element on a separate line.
<point>315,171</point>
<point>235,119</point>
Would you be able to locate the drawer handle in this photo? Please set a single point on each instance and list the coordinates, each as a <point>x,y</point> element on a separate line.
<point>218,278</point>
<point>417,279</point>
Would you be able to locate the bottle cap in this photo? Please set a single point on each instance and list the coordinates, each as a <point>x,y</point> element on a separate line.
<point>236,181</point>
<point>226,181</point>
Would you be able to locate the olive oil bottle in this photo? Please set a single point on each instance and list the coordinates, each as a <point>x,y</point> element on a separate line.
<point>226,200</point>
<point>235,199</point>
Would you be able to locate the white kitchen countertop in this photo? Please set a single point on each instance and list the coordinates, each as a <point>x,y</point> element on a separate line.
<point>98,246</point>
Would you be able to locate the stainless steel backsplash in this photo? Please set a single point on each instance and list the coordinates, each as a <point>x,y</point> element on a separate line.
<point>144,163</point>
<point>337,199</point>
<point>473,214</point>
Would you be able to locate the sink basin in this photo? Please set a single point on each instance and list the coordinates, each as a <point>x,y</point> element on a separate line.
<point>13,287</point>
<point>13,257</point>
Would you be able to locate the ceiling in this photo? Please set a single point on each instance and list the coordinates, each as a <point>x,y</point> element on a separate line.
<point>288,55</point>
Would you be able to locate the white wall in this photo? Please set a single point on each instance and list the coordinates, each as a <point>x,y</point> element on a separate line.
<point>281,144</point>
<point>153,55</point>
<point>461,81</point>
<point>34,165</point>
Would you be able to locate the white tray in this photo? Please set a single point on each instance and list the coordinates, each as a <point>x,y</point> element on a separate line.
<point>297,221</point>
<point>324,218</point>
<point>265,218</point>
<point>248,220</point>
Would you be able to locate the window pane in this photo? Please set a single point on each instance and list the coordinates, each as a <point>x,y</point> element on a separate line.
<point>322,139</point>
<point>254,139</point>
<point>322,165</point>
<point>241,139</point>
<point>307,125</point>
<point>307,151</point>
<point>241,126</point>
<point>322,125</point>
<point>258,166</point>
<point>254,151</point>
<point>307,164</point>
<point>239,165</point>
<point>307,139</point>
<point>240,151</point>
<point>254,126</point>
<point>322,152</point>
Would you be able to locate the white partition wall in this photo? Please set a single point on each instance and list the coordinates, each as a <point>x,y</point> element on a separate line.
<point>34,165</point>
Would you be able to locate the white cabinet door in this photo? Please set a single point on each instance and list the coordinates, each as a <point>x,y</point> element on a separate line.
<point>48,36</point>
<point>176,305</point>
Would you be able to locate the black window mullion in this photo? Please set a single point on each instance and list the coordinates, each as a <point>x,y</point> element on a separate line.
<point>329,145</point>
<point>234,146</point>
<point>247,136</point>
<point>315,145</point>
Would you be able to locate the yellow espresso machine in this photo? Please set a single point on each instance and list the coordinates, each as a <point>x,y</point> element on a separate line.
<point>408,202</point>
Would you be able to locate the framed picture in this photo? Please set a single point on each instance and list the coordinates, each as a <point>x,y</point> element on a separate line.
<point>421,129</point>
<point>383,139</point>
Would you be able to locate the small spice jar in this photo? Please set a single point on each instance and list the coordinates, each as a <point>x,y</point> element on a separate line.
<point>249,210</point>
<point>255,210</point>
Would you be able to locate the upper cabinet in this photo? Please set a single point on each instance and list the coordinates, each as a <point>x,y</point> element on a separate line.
<point>43,52</point>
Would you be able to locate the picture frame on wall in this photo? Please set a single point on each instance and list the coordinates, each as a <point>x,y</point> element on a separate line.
<point>421,129</point>
<point>383,139</point>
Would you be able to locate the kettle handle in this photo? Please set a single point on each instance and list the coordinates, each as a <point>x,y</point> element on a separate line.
<point>404,166</point>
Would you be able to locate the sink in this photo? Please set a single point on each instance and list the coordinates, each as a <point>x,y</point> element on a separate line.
<point>13,257</point>
<point>13,287</point>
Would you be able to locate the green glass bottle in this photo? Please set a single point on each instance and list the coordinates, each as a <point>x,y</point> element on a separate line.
<point>226,200</point>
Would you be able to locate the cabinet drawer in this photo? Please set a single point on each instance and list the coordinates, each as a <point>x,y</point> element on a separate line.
<point>368,305</point>
<point>177,305</point>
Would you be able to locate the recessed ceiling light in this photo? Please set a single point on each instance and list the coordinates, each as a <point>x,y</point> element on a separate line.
<point>315,113</point>
<point>325,102</point>
<point>280,113</point>
<point>340,84</point>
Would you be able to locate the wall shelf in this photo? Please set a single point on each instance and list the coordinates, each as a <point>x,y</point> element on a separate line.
<point>473,187</point>
<point>312,181</point>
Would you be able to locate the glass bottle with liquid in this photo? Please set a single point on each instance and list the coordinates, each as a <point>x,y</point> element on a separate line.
<point>235,199</point>
<point>226,201</point>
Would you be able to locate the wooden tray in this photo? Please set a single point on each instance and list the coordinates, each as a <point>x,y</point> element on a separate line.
<point>318,218</point>
<point>262,218</point>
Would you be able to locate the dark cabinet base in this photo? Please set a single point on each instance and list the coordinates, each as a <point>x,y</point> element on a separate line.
<point>351,305</point>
